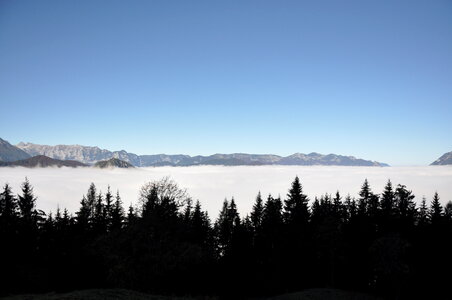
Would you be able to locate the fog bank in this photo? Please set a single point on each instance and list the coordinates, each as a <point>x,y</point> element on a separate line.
<point>64,187</point>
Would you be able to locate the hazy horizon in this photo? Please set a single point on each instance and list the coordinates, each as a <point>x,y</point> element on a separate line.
<point>207,154</point>
<point>212,184</point>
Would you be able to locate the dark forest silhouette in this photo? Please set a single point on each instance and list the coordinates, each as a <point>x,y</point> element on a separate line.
<point>378,243</point>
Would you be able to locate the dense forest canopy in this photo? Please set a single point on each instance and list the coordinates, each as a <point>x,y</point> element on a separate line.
<point>377,243</point>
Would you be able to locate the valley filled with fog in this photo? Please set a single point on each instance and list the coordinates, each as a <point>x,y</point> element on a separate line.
<point>64,187</point>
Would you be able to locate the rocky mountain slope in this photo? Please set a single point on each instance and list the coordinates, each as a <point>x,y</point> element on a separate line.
<point>9,152</point>
<point>90,155</point>
<point>445,159</point>
<point>112,163</point>
<point>84,154</point>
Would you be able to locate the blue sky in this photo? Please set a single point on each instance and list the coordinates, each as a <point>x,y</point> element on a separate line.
<point>371,79</point>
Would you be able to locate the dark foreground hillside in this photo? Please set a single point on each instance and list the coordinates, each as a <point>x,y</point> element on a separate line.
<point>108,294</point>
<point>379,244</point>
<point>119,294</point>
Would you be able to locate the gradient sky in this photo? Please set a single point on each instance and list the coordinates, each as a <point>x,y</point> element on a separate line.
<point>371,79</point>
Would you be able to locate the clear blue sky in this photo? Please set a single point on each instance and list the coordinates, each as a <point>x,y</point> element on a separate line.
<point>366,78</point>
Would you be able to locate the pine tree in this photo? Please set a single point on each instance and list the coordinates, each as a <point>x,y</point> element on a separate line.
<point>66,219</point>
<point>108,209</point>
<point>91,200</point>
<point>83,215</point>
<point>58,219</point>
<point>422,216</point>
<point>131,216</point>
<point>296,206</point>
<point>117,214</point>
<point>187,214</point>
<point>388,200</point>
<point>9,247</point>
<point>257,212</point>
<point>225,225</point>
<point>8,210</point>
<point>338,207</point>
<point>223,229</point>
<point>98,216</point>
<point>150,203</point>
<point>272,220</point>
<point>49,226</point>
<point>373,206</point>
<point>350,207</point>
<point>405,206</point>
<point>365,196</point>
<point>436,210</point>
<point>27,204</point>
<point>233,214</point>
<point>200,225</point>
<point>316,210</point>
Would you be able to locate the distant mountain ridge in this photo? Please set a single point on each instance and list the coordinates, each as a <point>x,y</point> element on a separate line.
<point>42,161</point>
<point>9,152</point>
<point>445,159</point>
<point>91,155</point>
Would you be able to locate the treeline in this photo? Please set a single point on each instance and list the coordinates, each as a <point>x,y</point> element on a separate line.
<point>378,243</point>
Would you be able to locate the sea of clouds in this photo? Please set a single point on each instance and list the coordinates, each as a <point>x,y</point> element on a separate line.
<point>64,187</point>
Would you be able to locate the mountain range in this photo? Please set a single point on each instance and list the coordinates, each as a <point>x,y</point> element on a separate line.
<point>91,155</point>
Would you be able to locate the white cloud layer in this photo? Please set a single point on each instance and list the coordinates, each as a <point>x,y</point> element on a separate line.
<point>211,184</point>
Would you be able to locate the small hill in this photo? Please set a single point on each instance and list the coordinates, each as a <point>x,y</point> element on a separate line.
<point>325,293</point>
<point>42,162</point>
<point>9,152</point>
<point>445,159</point>
<point>121,294</point>
<point>113,163</point>
<point>95,294</point>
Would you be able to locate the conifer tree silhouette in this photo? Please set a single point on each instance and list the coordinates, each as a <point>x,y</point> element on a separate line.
<point>436,210</point>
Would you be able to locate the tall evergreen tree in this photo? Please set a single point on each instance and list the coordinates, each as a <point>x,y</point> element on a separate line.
<point>338,207</point>
<point>257,212</point>
<point>91,197</point>
<point>84,215</point>
<point>201,226</point>
<point>365,195</point>
<point>27,204</point>
<point>108,209</point>
<point>422,217</point>
<point>188,211</point>
<point>273,220</point>
<point>117,213</point>
<point>388,200</point>
<point>233,213</point>
<point>58,218</point>
<point>436,210</point>
<point>296,211</point>
<point>8,210</point>
<point>225,225</point>
<point>406,208</point>
<point>66,220</point>
<point>316,210</point>
<point>350,207</point>
<point>373,207</point>
<point>131,215</point>
<point>98,215</point>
